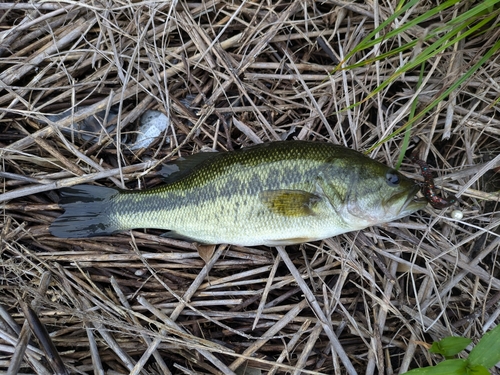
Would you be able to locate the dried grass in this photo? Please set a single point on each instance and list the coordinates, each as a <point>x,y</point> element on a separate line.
<point>232,75</point>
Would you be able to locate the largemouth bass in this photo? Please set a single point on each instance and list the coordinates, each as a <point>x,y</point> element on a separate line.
<point>271,194</point>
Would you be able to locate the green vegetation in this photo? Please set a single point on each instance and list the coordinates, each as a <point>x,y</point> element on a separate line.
<point>435,41</point>
<point>485,355</point>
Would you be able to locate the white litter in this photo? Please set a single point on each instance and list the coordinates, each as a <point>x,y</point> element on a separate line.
<point>153,124</point>
<point>457,214</point>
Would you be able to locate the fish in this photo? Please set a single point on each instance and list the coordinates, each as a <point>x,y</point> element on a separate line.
<point>277,193</point>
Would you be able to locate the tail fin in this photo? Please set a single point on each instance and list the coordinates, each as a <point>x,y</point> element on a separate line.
<point>87,212</point>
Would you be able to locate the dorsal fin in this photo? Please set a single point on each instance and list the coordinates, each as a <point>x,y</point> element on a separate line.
<point>183,166</point>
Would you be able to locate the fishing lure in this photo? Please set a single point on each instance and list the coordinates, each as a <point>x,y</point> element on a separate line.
<point>429,189</point>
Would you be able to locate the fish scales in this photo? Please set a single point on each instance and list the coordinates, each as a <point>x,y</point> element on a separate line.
<point>225,185</point>
<point>275,193</point>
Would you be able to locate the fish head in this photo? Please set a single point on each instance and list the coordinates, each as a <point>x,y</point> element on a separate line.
<point>372,193</point>
<point>398,199</point>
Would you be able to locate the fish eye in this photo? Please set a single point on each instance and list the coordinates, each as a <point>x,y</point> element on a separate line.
<point>392,178</point>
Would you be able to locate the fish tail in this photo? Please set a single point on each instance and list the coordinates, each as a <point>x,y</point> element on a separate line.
<point>87,213</point>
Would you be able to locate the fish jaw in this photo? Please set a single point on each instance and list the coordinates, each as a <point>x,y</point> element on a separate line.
<point>381,206</point>
<point>410,205</point>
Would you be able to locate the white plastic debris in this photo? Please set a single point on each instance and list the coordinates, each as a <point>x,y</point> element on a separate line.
<point>457,214</point>
<point>153,123</point>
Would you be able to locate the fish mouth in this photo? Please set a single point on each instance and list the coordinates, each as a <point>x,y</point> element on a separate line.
<point>412,203</point>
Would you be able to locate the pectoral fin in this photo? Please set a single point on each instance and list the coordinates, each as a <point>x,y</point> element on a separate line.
<point>292,203</point>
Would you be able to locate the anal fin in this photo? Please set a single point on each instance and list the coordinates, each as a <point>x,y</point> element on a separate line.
<point>178,236</point>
